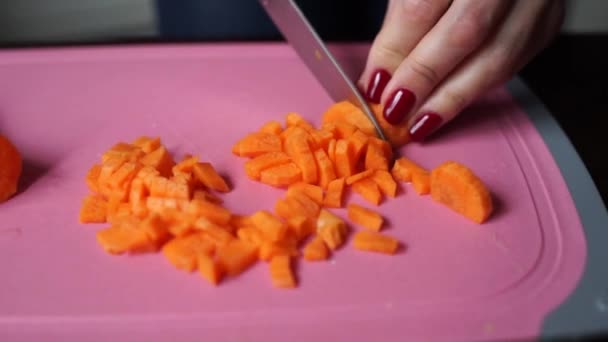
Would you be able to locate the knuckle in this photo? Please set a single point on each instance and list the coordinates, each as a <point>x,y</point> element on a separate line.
<point>455,99</point>
<point>424,71</point>
<point>388,52</point>
<point>418,10</point>
<point>468,32</point>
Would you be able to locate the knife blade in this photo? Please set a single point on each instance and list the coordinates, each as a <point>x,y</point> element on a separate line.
<point>300,34</point>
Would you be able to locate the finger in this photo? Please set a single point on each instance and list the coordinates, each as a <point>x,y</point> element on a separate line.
<point>491,65</point>
<point>406,22</point>
<point>462,29</point>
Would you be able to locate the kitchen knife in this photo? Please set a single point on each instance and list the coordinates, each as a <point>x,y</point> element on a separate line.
<point>300,34</point>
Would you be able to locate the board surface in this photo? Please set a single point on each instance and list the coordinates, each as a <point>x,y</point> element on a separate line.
<point>64,107</point>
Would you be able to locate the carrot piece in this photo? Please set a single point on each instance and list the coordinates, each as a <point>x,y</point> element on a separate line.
<point>160,159</point>
<point>94,209</point>
<point>375,242</point>
<point>301,226</point>
<point>257,143</point>
<point>206,174</point>
<point>272,227</point>
<point>147,175</point>
<point>241,221</point>
<point>316,250</point>
<point>255,166</point>
<point>236,257</point>
<point>163,187</point>
<point>335,193</point>
<point>126,235</point>
<point>147,144</point>
<point>269,250</point>
<point>359,176</point>
<point>458,188</point>
<point>358,142</point>
<point>281,175</point>
<point>375,158</point>
<point>123,150</point>
<point>209,269</point>
<point>155,229</point>
<point>314,192</point>
<point>331,229</point>
<point>214,233</point>
<point>331,150</point>
<point>295,119</point>
<point>177,222</point>
<point>251,235</point>
<point>211,211</point>
<point>185,166</point>
<point>123,175</point>
<point>301,203</point>
<point>327,172</point>
<point>405,168</point>
<point>422,183</point>
<point>365,217</point>
<point>385,182</point>
<point>92,178</point>
<point>344,130</point>
<point>105,174</point>
<point>271,127</point>
<point>297,147</point>
<point>323,137</point>
<point>159,204</point>
<point>283,209</point>
<point>183,252</point>
<point>368,190</point>
<point>203,195</point>
<point>280,272</point>
<point>344,164</point>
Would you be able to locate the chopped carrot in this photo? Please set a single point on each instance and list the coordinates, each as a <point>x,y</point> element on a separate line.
<point>405,168</point>
<point>92,178</point>
<point>183,252</point>
<point>384,146</point>
<point>163,187</point>
<point>209,269</point>
<point>375,242</point>
<point>160,159</point>
<point>147,174</point>
<point>314,192</point>
<point>344,130</point>
<point>335,193</point>
<point>185,166</point>
<point>204,195</point>
<point>359,176</point>
<point>255,166</point>
<point>385,182</point>
<point>147,144</point>
<point>422,183</point>
<point>281,175</point>
<point>241,221</point>
<point>94,210</point>
<point>211,211</point>
<point>331,229</point>
<point>269,249</point>
<point>368,189</point>
<point>358,142</point>
<point>300,203</point>
<point>251,235</point>
<point>344,164</point>
<point>206,174</point>
<point>137,198</point>
<point>365,217</point>
<point>155,229</point>
<point>301,226</point>
<point>457,187</point>
<point>323,137</point>
<point>375,158</point>
<point>283,209</point>
<point>295,119</point>
<point>271,127</point>
<point>297,147</point>
<point>397,134</point>
<point>316,250</point>
<point>281,273</point>
<point>159,204</point>
<point>255,144</point>
<point>331,150</point>
<point>236,257</point>
<point>124,151</point>
<point>214,233</point>
<point>327,172</point>
<point>272,227</point>
<point>126,235</point>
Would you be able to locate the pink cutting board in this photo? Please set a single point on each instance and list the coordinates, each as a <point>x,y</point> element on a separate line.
<point>456,280</point>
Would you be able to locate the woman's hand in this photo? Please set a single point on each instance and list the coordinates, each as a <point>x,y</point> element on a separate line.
<point>432,58</point>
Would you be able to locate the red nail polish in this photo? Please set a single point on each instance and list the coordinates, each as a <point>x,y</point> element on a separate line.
<point>376,85</point>
<point>424,125</point>
<point>399,105</point>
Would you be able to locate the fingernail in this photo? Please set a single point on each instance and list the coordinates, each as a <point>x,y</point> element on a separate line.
<point>399,105</point>
<point>426,124</point>
<point>376,85</point>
